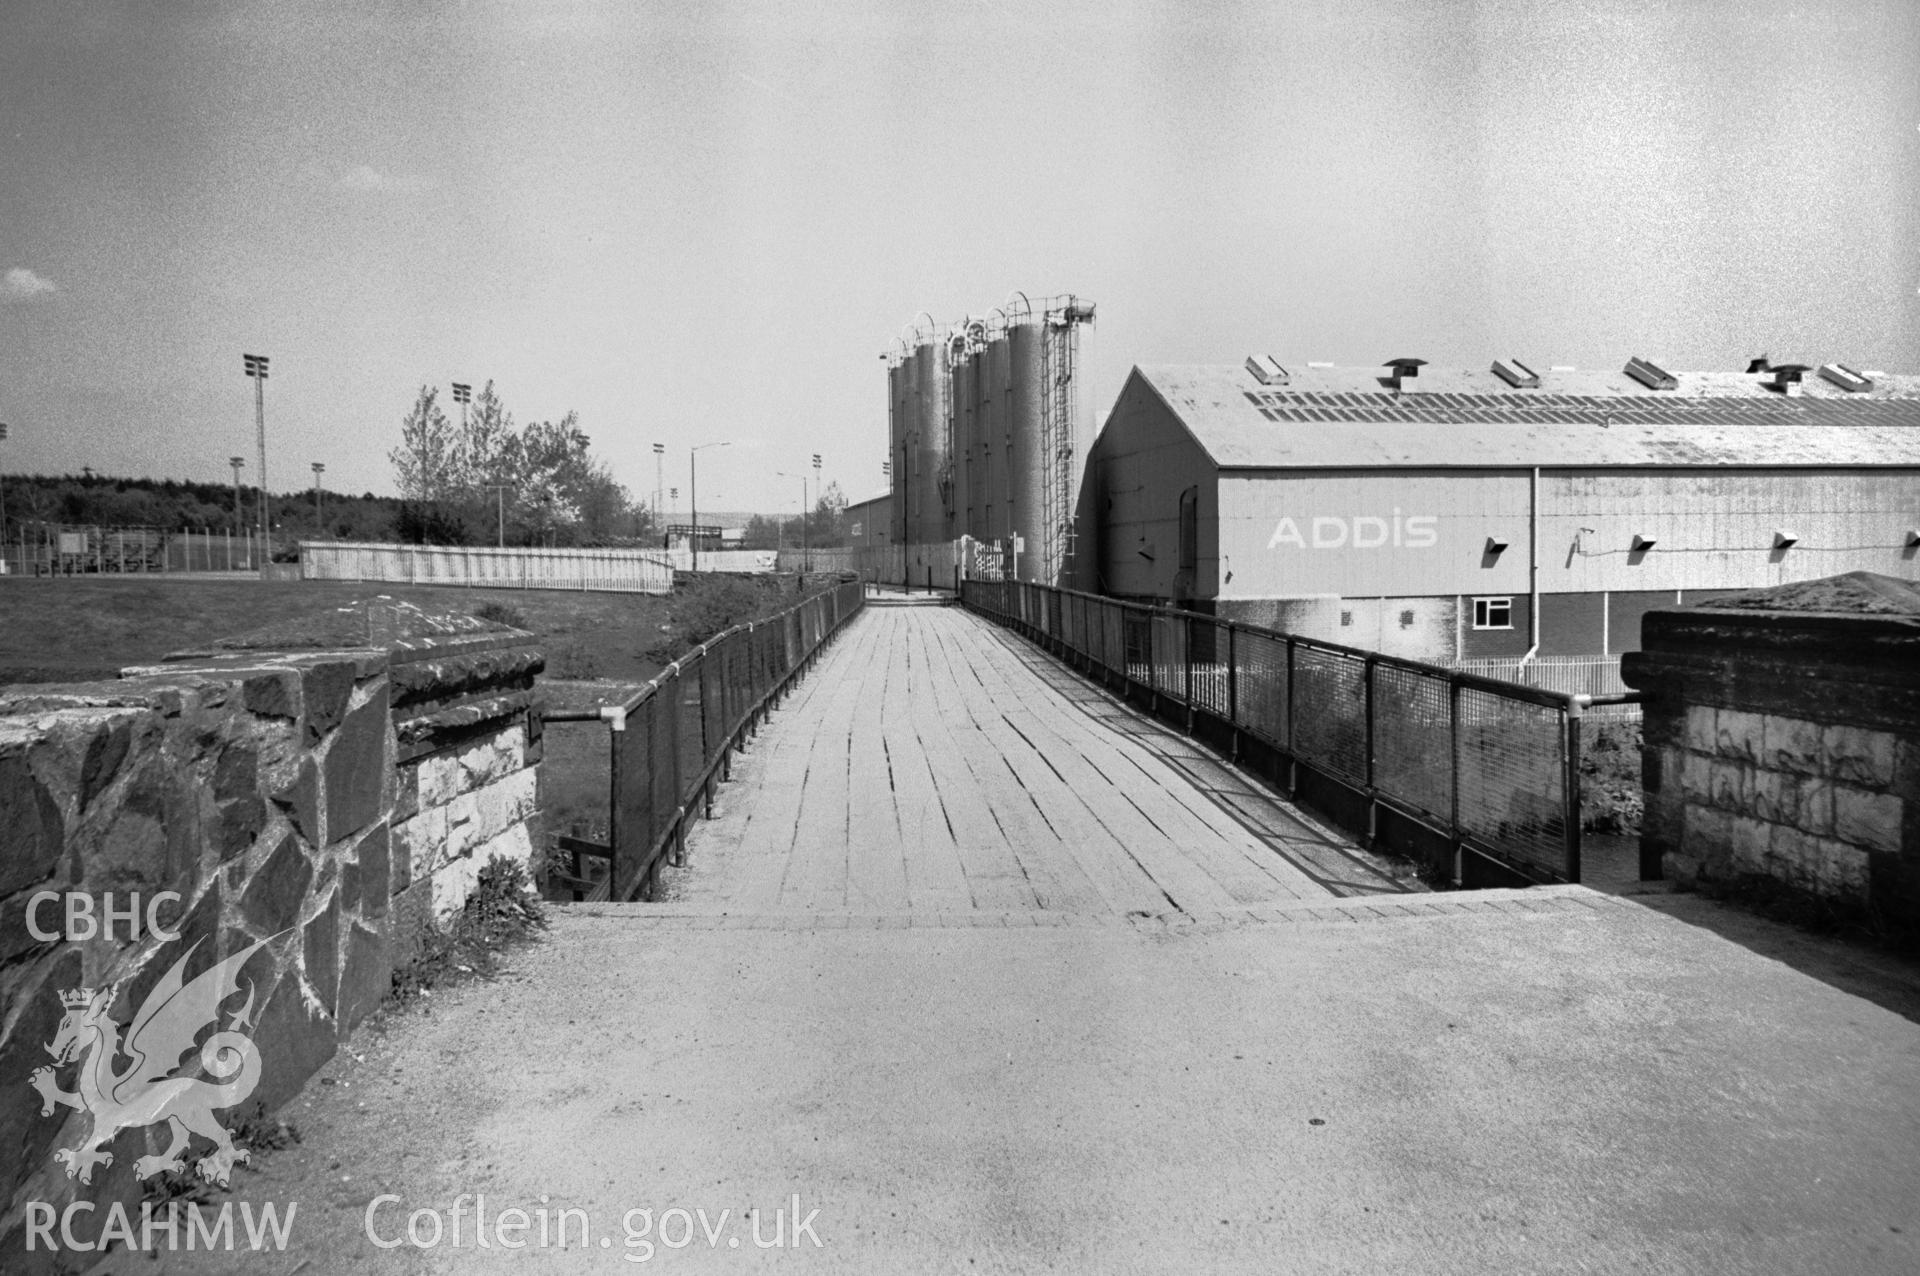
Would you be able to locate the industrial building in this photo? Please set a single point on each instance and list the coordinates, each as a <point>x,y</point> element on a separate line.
<point>988,427</point>
<point>1448,514</point>
<point>870,524</point>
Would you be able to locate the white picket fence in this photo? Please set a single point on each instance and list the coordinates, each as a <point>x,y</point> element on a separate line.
<point>1571,675</point>
<point>620,571</point>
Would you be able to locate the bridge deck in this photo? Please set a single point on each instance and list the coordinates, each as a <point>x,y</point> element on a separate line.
<point>934,763</point>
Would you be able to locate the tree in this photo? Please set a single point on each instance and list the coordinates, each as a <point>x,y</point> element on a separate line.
<point>761,533</point>
<point>826,522</point>
<point>425,463</point>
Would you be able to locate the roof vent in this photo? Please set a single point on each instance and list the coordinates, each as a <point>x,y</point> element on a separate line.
<point>1759,365</point>
<point>1517,374</point>
<point>1846,378</point>
<point>1784,539</point>
<point>1786,377</point>
<point>1402,371</point>
<point>1266,369</point>
<point>1650,375</point>
<point>1642,542</point>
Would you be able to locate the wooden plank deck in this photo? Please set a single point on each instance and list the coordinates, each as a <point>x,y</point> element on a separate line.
<point>932,762</point>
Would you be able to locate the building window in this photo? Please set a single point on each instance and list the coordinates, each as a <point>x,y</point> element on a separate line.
<point>1190,529</point>
<point>1406,619</point>
<point>1346,618</point>
<point>1493,613</point>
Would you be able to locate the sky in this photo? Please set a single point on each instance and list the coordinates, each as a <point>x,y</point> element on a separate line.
<point>704,222</point>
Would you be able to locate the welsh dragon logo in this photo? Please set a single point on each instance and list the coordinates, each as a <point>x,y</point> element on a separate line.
<point>146,1091</point>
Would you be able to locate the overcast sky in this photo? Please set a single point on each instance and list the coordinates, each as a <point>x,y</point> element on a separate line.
<point>702,222</point>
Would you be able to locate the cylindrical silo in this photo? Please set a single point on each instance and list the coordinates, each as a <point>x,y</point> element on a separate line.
<point>899,374</point>
<point>931,487</point>
<point>960,374</point>
<point>1026,467</point>
<point>998,383</point>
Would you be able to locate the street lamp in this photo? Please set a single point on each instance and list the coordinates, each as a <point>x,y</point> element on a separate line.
<point>803,512</point>
<point>693,493</point>
<point>805,555</point>
<point>319,468</point>
<point>500,500</point>
<point>257,369</point>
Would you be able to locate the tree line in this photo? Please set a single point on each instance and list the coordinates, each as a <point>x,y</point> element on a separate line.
<point>171,505</point>
<point>485,479</point>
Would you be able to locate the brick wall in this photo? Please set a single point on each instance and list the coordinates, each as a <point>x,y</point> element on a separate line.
<point>328,803</point>
<point>1783,739</point>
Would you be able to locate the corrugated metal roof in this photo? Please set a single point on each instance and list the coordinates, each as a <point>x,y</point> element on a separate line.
<point>1459,418</point>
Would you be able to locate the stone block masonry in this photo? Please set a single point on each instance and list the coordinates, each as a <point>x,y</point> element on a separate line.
<point>331,803</point>
<point>1783,739</point>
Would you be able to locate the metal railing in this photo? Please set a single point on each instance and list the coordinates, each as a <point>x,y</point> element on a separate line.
<point>1480,777</point>
<point>673,740</point>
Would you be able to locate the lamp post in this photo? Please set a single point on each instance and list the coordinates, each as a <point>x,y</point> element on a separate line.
<point>257,369</point>
<point>319,468</point>
<point>693,493</point>
<point>808,551</point>
<point>500,500</point>
<point>3,515</point>
<point>463,395</point>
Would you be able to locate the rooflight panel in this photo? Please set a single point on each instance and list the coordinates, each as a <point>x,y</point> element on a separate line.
<point>1650,375</point>
<point>1846,378</point>
<point>1516,374</point>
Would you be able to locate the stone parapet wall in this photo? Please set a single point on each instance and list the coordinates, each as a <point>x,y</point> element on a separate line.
<point>330,803</point>
<point>1782,734</point>
<point>469,746</point>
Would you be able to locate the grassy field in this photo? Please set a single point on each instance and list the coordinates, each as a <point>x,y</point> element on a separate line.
<point>600,647</point>
<point>63,629</point>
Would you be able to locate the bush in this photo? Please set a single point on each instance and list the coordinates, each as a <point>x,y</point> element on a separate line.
<point>501,614</point>
<point>1612,800</point>
<point>708,606</point>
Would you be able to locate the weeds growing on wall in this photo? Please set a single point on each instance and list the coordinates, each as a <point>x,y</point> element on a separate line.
<point>256,1130</point>
<point>503,911</point>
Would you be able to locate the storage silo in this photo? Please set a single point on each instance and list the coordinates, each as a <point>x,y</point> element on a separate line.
<point>931,486</point>
<point>899,408</point>
<point>997,379</point>
<point>961,368</point>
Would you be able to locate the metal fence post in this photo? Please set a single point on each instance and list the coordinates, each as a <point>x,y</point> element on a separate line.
<point>1453,753</point>
<point>1293,766</point>
<point>1573,716</point>
<point>1368,672</point>
<point>679,786</point>
<point>1233,688</point>
<point>1187,625</point>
